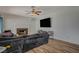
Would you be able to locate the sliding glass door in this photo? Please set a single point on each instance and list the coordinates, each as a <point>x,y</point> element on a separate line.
<point>1,24</point>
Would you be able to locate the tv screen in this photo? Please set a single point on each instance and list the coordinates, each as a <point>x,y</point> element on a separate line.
<point>45,22</point>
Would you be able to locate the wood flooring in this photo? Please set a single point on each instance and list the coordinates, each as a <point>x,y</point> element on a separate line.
<point>56,46</point>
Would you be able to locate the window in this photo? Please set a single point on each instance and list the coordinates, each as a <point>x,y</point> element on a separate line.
<point>1,24</point>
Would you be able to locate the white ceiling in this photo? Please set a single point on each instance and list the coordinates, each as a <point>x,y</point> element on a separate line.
<point>46,10</point>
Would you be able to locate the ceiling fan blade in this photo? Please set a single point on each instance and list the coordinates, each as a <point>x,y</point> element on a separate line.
<point>28,12</point>
<point>38,14</point>
<point>39,11</point>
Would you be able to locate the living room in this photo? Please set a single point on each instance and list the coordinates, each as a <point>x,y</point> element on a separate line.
<point>63,21</point>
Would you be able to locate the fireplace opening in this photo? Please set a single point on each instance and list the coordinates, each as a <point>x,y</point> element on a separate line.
<point>22,31</point>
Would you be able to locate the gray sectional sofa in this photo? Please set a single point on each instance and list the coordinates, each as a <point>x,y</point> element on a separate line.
<point>27,42</point>
<point>35,40</point>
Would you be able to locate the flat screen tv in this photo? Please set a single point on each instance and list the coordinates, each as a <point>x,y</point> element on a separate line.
<point>45,22</point>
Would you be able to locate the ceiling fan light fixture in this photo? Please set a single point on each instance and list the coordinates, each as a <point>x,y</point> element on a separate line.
<point>35,11</point>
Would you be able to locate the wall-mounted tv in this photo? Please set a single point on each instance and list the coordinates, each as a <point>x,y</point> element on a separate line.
<point>45,22</point>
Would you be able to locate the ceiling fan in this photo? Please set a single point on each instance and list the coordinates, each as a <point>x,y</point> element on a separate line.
<point>34,11</point>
